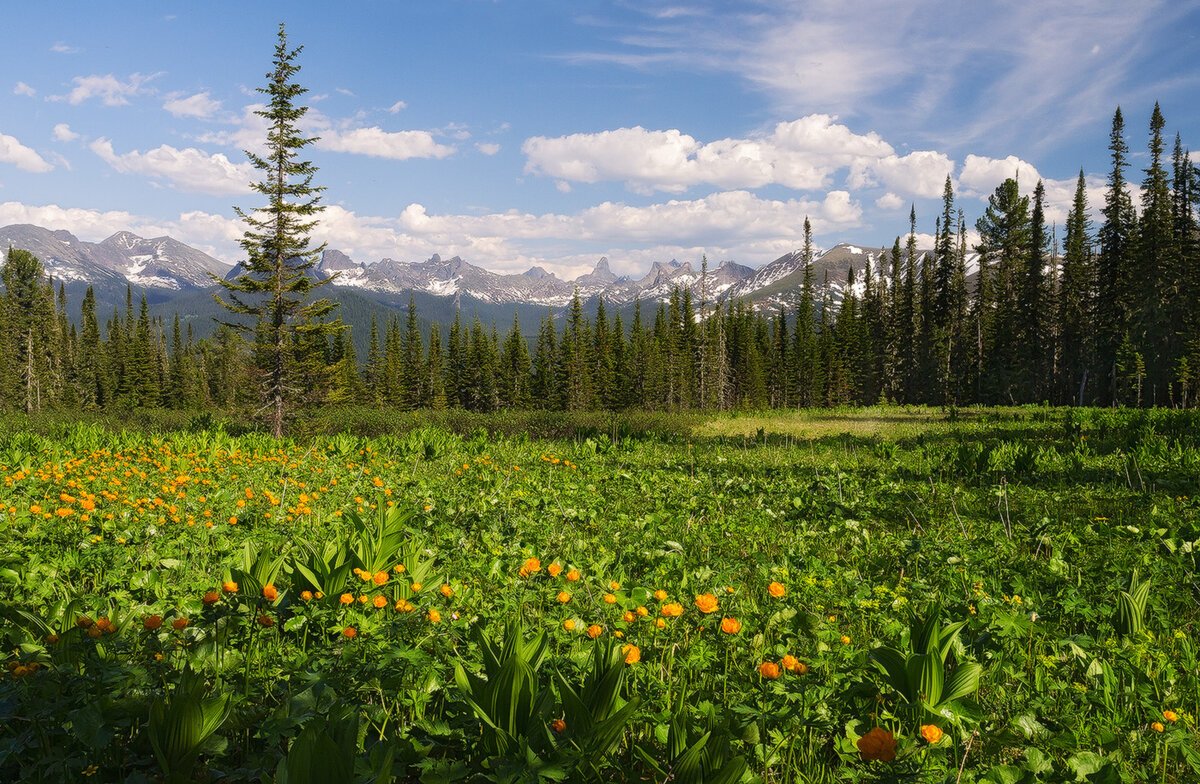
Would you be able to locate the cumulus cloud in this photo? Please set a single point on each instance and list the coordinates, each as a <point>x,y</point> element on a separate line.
<point>188,169</point>
<point>981,175</point>
<point>63,133</point>
<point>24,158</point>
<point>200,105</point>
<point>23,89</point>
<point>487,148</point>
<point>889,201</point>
<point>108,88</point>
<point>378,143</point>
<point>802,154</point>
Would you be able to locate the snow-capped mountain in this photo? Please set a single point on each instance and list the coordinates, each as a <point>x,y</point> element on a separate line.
<point>124,258</point>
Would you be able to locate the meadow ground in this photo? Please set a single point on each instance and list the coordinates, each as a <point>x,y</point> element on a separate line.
<point>851,595</point>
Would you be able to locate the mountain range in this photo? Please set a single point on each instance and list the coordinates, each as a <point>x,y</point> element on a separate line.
<point>179,279</point>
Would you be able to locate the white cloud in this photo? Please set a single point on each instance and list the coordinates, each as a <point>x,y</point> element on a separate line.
<point>378,143</point>
<point>889,201</point>
<point>397,107</point>
<point>61,47</point>
<point>981,175</point>
<point>200,105</point>
<point>23,89</point>
<point>344,91</point>
<point>801,154</point>
<point>108,88</point>
<point>24,158</point>
<point>63,133</point>
<point>487,148</point>
<point>188,169</point>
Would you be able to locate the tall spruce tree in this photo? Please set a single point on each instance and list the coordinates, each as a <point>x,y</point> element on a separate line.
<point>276,280</point>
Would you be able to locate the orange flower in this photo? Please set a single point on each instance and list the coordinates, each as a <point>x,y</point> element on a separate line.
<point>94,632</point>
<point>1171,716</point>
<point>416,587</point>
<point>555,569</point>
<point>84,622</point>
<point>633,654</point>
<point>573,576</point>
<point>346,599</point>
<point>446,590</point>
<point>672,610</point>
<point>563,597</point>
<point>404,606</point>
<point>349,632</point>
<point>769,670</point>
<point>1157,726</point>
<point>266,621</point>
<point>932,733</point>
<point>643,612</point>
<point>659,623</point>
<point>776,590</point>
<point>269,593</point>
<point>380,602</point>
<point>569,625</point>
<point>878,744</point>
<point>845,639</point>
<point>558,725</point>
<point>51,638</point>
<point>306,596</point>
<point>794,665</point>
<point>660,595</point>
<point>706,603</point>
<point>380,578</point>
<point>229,586</point>
<point>610,599</point>
<point>152,622</point>
<point>179,624</point>
<point>614,586</point>
<point>434,616</point>
<point>731,625</point>
<point>628,617</point>
<point>104,625</point>
<point>211,597</point>
<point>531,566</point>
<point>594,631</point>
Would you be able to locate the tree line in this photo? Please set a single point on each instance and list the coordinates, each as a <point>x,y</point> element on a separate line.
<point>1111,318</point>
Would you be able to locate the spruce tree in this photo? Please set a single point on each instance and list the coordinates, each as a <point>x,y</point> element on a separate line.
<point>275,283</point>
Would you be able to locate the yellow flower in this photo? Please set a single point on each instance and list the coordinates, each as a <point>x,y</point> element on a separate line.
<point>446,590</point>
<point>416,587</point>
<point>555,569</point>
<point>932,733</point>
<point>346,599</point>
<point>672,610</point>
<point>731,625</point>
<point>660,595</point>
<point>573,576</point>
<point>1157,726</point>
<point>563,597</point>
<point>614,586</point>
<point>633,654</point>
<point>659,623</point>
<point>569,624</point>
<point>776,590</point>
<point>628,617</point>
<point>610,599</point>
<point>380,578</point>
<point>594,631</point>
<point>878,744</point>
<point>152,622</point>
<point>845,639</point>
<point>306,596</point>
<point>229,586</point>
<point>404,606</point>
<point>706,603</point>
<point>380,602</point>
<point>1171,716</point>
<point>179,624</point>
<point>349,632</point>
<point>434,616</point>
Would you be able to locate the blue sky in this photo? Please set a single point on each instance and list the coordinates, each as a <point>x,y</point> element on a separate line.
<point>522,132</point>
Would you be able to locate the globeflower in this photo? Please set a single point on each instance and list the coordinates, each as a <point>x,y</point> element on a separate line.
<point>558,725</point>
<point>633,654</point>
<point>306,596</point>
<point>706,603</point>
<point>379,602</point>
<point>380,578</point>
<point>1171,716</point>
<point>569,625</point>
<point>266,621</point>
<point>731,625</point>
<point>769,670</point>
<point>349,632</point>
<point>346,599</point>
<point>610,599</point>
<point>794,665</point>
<point>776,590</point>
<point>179,624</point>
<point>152,622</point>
<point>660,595</point>
<point>878,744</point>
<point>270,593</point>
<point>554,569</point>
<point>211,597</point>
<point>1157,726</point>
<point>573,576</point>
<point>446,590</point>
<point>563,597</point>
<point>531,566</point>
<point>229,586</point>
<point>434,616</point>
<point>672,610</point>
<point>594,631</point>
<point>932,733</point>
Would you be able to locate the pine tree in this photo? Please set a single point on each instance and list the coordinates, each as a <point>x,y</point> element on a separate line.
<point>275,284</point>
<point>1003,242</point>
<point>804,346</point>
<point>28,314</point>
<point>515,368</point>
<point>435,377</point>
<point>1075,302</point>
<point>412,360</point>
<point>1116,274</point>
<point>1158,310</point>
<point>1032,307</point>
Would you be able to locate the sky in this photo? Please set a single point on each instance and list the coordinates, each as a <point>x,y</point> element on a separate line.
<point>516,133</point>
